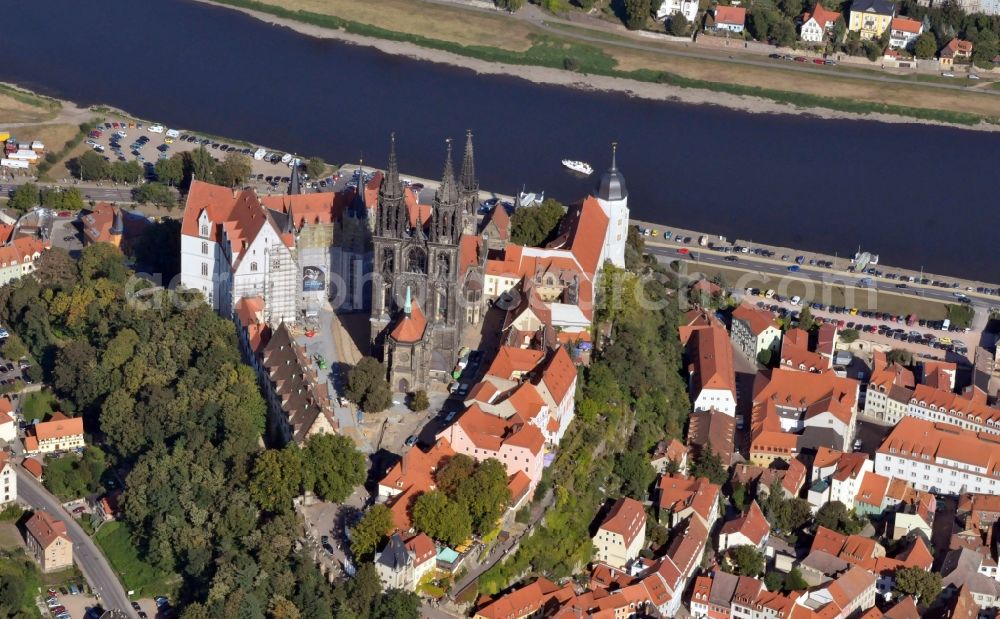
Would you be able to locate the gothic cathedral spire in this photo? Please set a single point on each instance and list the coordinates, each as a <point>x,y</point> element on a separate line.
<point>469,187</point>
<point>447,207</point>
<point>392,207</point>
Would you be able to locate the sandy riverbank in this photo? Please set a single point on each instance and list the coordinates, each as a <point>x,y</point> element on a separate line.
<point>545,75</point>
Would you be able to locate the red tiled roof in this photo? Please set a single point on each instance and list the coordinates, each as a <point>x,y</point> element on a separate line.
<point>824,17</point>
<point>305,208</point>
<point>758,319</point>
<point>955,48</point>
<point>511,362</point>
<point>678,493</point>
<point>414,475</point>
<point>491,432</point>
<point>59,426</point>
<point>422,547</point>
<point>45,528</point>
<point>34,467</point>
<point>559,374</point>
<point>735,15</point>
<point>917,438</point>
<point>410,328</point>
<point>713,356</point>
<point>525,601</point>
<point>627,518</point>
<point>906,25</point>
<point>753,525</point>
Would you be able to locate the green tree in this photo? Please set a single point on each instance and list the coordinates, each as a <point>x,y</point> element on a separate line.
<point>834,515</point>
<point>369,533</point>
<point>849,335</point>
<point>367,386</point>
<point>335,465</point>
<point>899,355</point>
<point>533,225</point>
<point>926,45</point>
<point>397,604</point>
<point>759,23</point>
<point>13,348</point>
<point>746,561</point>
<point>791,8</point>
<point>765,357</point>
<point>637,13</point>
<point>485,495</point>
<point>806,320</point>
<point>170,171</point>
<point>924,586</point>
<point>774,581</point>
<point>960,315</point>
<point>709,465</point>
<point>839,30</point>
<point>678,26</point>
<point>782,32</point>
<point>441,518</point>
<point>157,194</point>
<point>794,581</point>
<point>872,50</point>
<point>509,5</point>
<point>52,199</point>
<point>56,268</point>
<point>456,470</point>
<point>92,167</point>
<point>315,167</point>
<point>72,199</point>
<point>277,478</point>
<point>738,496</point>
<point>985,49</point>
<point>418,401</point>
<point>633,468</point>
<point>199,164</point>
<point>25,197</point>
<point>234,169</point>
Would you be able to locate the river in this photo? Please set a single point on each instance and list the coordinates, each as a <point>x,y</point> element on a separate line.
<point>918,195</point>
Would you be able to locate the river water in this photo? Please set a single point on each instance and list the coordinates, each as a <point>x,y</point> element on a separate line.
<point>919,196</point>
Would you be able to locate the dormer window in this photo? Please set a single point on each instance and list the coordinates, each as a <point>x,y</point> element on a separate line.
<point>253,267</point>
<point>204,229</point>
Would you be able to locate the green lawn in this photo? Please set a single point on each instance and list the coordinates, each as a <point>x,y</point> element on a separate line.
<point>136,574</point>
<point>39,404</point>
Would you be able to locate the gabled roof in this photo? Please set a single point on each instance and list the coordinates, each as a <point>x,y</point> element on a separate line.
<point>559,374</point>
<point>413,475</point>
<point>678,493</point>
<point>526,601</point>
<point>394,555</point>
<point>756,318</point>
<point>913,438</point>
<point>712,355</point>
<point>499,218</point>
<point>512,362</point>
<point>303,397</point>
<point>823,16</point>
<point>45,528</point>
<point>753,525</point>
<point>491,432</point>
<point>906,25</point>
<point>956,47</point>
<point>734,15</point>
<point>59,426</point>
<point>626,518</point>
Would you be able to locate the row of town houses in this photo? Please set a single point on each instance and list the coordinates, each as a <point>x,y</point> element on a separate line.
<point>871,19</point>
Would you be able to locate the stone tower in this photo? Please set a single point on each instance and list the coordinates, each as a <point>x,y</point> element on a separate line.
<point>612,195</point>
<point>468,190</point>
<point>418,261</point>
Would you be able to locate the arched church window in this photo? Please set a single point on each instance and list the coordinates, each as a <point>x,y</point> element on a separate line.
<point>416,261</point>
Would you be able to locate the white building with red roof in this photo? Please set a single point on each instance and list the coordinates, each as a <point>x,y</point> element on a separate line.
<point>409,478</point>
<point>232,247</point>
<point>622,534</point>
<point>903,32</point>
<point>8,479</point>
<point>8,428</point>
<point>402,564</point>
<point>749,529</point>
<point>712,377</point>
<point>817,24</point>
<point>518,444</point>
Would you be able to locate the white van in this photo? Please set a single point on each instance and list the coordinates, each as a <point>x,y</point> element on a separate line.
<point>173,133</point>
<point>155,129</point>
<point>259,154</point>
<point>286,158</point>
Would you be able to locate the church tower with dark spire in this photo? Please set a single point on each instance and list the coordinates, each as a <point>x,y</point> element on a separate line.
<point>423,266</point>
<point>469,187</point>
<point>294,187</point>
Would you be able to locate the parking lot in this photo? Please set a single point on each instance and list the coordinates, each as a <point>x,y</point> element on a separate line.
<point>925,338</point>
<point>126,140</point>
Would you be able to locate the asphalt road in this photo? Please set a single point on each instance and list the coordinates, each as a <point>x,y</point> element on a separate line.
<point>695,256</point>
<point>86,554</point>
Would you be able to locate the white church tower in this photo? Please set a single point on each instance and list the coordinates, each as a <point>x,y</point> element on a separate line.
<point>612,195</point>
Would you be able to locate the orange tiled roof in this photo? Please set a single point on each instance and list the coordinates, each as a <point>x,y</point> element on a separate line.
<point>410,328</point>
<point>753,525</point>
<point>734,15</point>
<point>414,475</point>
<point>626,518</point>
<point>912,438</point>
<point>491,432</point>
<point>872,490</point>
<point>824,17</point>
<point>525,601</point>
<point>713,356</point>
<point>34,467</point>
<point>828,541</point>
<point>677,493</point>
<point>955,48</point>
<point>422,547</point>
<point>795,352</point>
<point>511,362</point>
<point>45,528</point>
<point>906,25</point>
<point>758,319</point>
<point>59,426</point>
<point>559,374</point>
